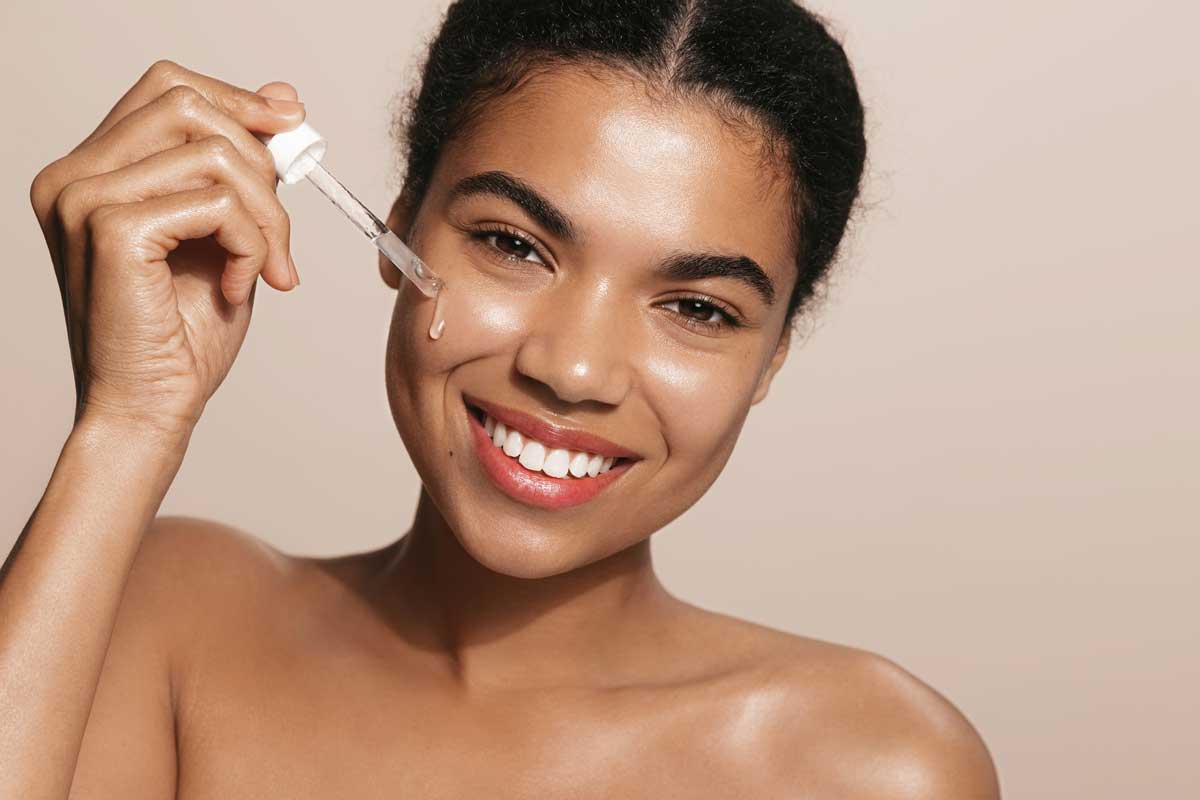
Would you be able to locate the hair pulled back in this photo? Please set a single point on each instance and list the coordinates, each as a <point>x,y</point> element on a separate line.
<point>767,65</point>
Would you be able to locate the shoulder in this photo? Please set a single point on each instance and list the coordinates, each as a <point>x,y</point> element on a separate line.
<point>193,575</point>
<point>178,604</point>
<point>916,742</point>
<point>842,721</point>
<point>213,587</point>
<point>190,554</point>
<point>889,734</point>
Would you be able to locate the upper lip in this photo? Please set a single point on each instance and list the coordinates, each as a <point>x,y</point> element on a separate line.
<point>550,434</point>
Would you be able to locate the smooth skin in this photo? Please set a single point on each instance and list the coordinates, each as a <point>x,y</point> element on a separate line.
<point>495,649</point>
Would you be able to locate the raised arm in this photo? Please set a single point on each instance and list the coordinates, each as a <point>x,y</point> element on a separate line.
<point>159,225</point>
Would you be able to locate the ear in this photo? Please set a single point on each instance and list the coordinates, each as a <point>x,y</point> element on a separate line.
<point>781,351</point>
<point>399,219</point>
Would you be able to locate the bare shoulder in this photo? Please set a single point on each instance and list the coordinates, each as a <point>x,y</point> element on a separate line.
<point>917,742</point>
<point>226,590</point>
<point>868,727</point>
<point>176,608</point>
<point>195,574</point>
<point>190,553</point>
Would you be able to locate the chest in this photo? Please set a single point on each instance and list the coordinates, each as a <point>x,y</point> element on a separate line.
<point>329,730</point>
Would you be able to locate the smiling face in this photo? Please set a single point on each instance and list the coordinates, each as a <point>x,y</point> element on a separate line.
<point>617,276</point>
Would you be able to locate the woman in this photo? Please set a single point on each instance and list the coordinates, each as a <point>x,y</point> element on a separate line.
<point>630,203</point>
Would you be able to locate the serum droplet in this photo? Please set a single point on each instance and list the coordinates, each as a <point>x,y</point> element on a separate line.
<point>438,326</point>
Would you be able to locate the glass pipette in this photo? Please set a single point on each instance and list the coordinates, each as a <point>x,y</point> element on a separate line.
<point>298,153</point>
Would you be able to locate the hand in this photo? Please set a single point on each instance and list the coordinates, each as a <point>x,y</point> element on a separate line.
<point>159,224</point>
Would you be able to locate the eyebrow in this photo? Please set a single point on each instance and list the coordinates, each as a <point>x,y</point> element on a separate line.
<point>510,187</point>
<point>677,266</point>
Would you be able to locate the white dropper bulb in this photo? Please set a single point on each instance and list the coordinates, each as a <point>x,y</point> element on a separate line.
<point>297,155</point>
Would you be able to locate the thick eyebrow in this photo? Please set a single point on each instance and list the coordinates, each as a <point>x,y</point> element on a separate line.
<point>698,266</point>
<point>678,266</point>
<point>510,187</point>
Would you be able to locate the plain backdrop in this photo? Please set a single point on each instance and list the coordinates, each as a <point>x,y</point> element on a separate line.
<point>983,462</point>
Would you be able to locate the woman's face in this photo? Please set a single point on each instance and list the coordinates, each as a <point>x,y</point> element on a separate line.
<point>596,244</point>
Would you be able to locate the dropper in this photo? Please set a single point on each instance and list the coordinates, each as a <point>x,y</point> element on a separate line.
<point>298,153</point>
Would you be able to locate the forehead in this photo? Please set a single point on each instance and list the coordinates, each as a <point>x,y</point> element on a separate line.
<point>622,163</point>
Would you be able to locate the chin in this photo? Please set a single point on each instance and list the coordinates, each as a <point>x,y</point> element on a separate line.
<point>509,547</point>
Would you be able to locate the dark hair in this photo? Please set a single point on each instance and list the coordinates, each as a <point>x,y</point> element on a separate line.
<point>767,64</point>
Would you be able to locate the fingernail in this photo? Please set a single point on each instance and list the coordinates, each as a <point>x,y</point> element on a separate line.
<point>295,274</point>
<point>287,108</point>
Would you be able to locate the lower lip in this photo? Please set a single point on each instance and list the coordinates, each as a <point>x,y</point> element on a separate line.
<point>535,488</point>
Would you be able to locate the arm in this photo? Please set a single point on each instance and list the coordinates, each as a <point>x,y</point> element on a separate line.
<point>153,328</point>
<point>60,591</point>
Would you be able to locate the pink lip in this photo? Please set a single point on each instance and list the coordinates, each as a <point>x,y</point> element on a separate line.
<point>535,488</point>
<point>550,434</point>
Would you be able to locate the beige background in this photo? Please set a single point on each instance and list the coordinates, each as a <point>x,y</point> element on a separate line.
<point>983,464</point>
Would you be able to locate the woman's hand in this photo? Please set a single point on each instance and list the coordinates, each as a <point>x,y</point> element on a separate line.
<point>159,224</point>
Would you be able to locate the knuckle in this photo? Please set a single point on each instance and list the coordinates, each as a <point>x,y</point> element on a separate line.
<point>106,228</point>
<point>219,148</point>
<point>224,196</point>
<point>184,99</point>
<point>163,72</point>
<point>263,163</point>
<point>70,204</point>
<point>43,188</point>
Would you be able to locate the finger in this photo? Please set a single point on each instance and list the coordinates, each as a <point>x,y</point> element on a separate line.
<point>253,111</point>
<point>190,166</point>
<point>148,230</point>
<point>278,90</point>
<point>175,118</point>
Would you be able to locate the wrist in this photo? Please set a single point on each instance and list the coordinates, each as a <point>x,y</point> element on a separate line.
<point>119,463</point>
<point>164,440</point>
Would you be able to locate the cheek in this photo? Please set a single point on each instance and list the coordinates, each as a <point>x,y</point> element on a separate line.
<point>702,400</point>
<point>482,317</point>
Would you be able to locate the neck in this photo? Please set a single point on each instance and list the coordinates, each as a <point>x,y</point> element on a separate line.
<point>586,626</point>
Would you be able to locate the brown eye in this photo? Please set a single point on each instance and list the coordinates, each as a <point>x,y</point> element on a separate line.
<point>703,315</point>
<point>513,246</point>
<point>699,310</point>
<point>509,246</point>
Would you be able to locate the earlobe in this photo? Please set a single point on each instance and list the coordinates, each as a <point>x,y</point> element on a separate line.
<point>387,270</point>
<point>777,359</point>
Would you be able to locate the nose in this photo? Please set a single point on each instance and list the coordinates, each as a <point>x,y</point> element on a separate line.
<point>577,348</point>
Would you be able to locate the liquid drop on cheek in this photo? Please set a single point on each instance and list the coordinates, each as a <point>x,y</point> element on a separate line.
<point>438,325</point>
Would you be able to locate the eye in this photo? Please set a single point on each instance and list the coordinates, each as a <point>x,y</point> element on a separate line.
<point>703,313</point>
<point>506,244</point>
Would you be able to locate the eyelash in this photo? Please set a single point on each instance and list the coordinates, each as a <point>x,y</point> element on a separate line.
<point>729,319</point>
<point>481,236</point>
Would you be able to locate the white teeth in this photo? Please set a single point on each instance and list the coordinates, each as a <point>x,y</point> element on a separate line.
<point>514,444</point>
<point>578,464</point>
<point>533,455</point>
<point>556,462</point>
<point>594,464</point>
